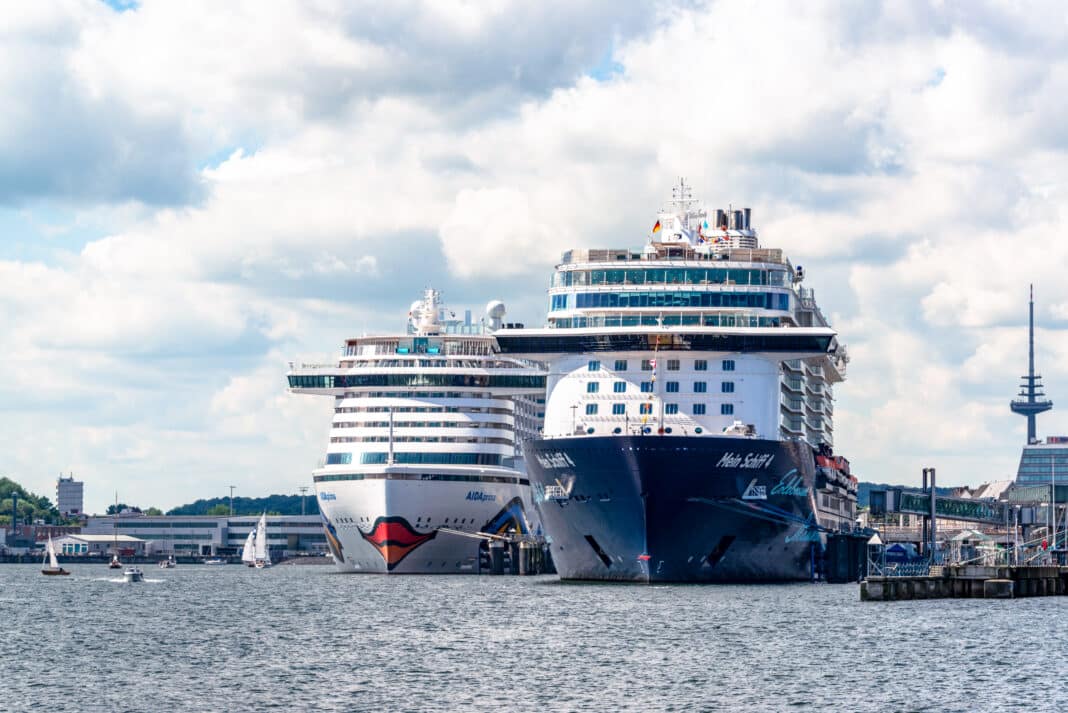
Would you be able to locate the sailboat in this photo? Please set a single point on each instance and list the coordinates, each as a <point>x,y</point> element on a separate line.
<point>53,564</point>
<point>248,552</point>
<point>263,554</point>
<point>115,564</point>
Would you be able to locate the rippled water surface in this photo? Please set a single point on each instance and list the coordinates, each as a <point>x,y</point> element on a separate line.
<point>304,638</point>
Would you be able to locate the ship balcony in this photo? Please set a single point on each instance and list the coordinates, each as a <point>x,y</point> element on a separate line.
<point>814,406</point>
<point>814,425</point>
<point>791,404</point>
<point>814,388</point>
<point>793,426</point>
<point>814,369</point>
<point>792,366</point>
<point>793,384</point>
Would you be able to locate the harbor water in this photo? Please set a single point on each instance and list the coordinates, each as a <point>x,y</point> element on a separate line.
<point>229,638</point>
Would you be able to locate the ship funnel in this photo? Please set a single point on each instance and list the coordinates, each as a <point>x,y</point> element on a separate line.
<point>721,218</point>
<point>748,214</point>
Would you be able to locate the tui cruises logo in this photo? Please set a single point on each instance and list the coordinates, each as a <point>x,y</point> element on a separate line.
<point>755,492</point>
<point>395,539</point>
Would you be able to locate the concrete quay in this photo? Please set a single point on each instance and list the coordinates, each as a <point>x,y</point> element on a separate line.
<point>969,582</point>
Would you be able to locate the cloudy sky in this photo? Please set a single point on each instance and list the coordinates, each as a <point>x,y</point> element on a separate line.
<point>192,194</point>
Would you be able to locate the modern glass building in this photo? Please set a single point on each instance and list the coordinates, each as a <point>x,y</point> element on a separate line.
<point>1044,463</point>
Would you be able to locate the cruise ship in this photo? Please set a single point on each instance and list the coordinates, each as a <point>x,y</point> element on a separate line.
<point>424,457</point>
<point>688,431</point>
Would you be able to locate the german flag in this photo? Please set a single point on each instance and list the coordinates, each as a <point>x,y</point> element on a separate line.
<point>656,228</point>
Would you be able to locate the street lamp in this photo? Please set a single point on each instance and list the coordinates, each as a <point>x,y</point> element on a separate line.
<point>303,489</point>
<point>232,500</point>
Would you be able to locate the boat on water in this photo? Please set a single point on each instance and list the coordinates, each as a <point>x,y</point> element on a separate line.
<point>52,567</point>
<point>168,563</point>
<point>688,430</point>
<point>261,557</point>
<point>133,574</point>
<point>424,459</point>
<point>114,563</point>
<point>215,560</point>
<point>248,552</point>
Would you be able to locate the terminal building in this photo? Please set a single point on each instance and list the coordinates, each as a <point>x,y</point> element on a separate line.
<point>213,536</point>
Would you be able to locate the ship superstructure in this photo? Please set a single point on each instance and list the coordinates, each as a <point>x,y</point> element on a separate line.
<point>688,427</point>
<point>424,445</point>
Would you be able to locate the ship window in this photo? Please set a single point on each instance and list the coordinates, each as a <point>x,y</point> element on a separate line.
<point>619,409</point>
<point>621,364</point>
<point>672,387</point>
<point>647,364</point>
<point>338,458</point>
<point>727,387</point>
<point>700,365</point>
<point>671,409</point>
<point>726,409</point>
<point>728,365</point>
<point>700,387</point>
<point>698,409</point>
<point>591,409</point>
<point>645,408</point>
<point>620,387</point>
<point>673,365</point>
<point>647,387</point>
<point>593,366</point>
<point>593,387</point>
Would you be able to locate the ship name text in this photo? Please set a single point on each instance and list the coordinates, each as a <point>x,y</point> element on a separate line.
<point>750,461</point>
<point>552,460</point>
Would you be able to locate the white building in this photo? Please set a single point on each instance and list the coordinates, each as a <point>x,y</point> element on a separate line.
<point>82,544</point>
<point>208,535</point>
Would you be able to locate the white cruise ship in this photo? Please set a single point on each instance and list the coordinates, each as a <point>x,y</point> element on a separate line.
<point>689,414</point>
<point>424,451</point>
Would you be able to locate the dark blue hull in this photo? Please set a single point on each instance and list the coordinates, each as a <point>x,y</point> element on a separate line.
<point>677,508</point>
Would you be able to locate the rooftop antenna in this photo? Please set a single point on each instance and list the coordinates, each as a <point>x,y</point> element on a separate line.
<point>682,197</point>
<point>1030,401</point>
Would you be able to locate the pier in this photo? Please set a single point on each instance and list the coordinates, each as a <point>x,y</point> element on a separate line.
<point>969,581</point>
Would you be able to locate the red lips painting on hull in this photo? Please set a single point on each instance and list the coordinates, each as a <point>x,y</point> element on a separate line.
<point>394,539</point>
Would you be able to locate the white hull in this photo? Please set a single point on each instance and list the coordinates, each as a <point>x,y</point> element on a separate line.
<point>391,526</point>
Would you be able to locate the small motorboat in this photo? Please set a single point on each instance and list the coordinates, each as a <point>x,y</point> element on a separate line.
<point>115,564</point>
<point>52,568</point>
<point>134,574</point>
<point>215,560</point>
<point>168,563</point>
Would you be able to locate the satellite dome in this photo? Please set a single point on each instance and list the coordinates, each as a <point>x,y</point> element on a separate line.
<point>495,314</point>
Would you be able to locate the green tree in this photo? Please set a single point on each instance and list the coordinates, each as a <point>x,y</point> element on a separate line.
<point>219,509</point>
<point>153,511</point>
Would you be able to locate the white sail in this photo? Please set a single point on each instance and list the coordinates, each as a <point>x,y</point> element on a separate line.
<point>262,553</point>
<point>52,561</point>
<point>248,554</point>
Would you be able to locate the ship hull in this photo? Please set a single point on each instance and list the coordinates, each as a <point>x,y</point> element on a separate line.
<point>393,526</point>
<point>677,508</point>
